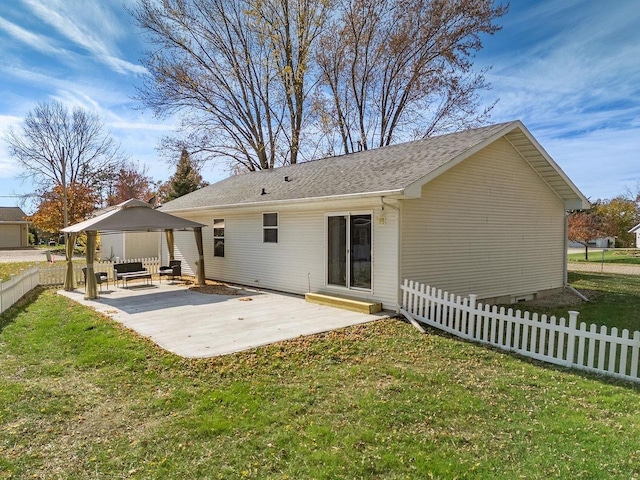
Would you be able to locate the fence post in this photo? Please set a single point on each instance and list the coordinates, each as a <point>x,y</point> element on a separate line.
<point>404,293</point>
<point>1,297</point>
<point>571,339</point>
<point>471,318</point>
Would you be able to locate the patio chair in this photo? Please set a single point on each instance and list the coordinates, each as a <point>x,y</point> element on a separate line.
<point>174,269</point>
<point>101,277</point>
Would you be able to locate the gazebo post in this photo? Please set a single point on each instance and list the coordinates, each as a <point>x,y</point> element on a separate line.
<point>91,288</point>
<point>170,243</point>
<point>70,239</point>
<point>197,231</point>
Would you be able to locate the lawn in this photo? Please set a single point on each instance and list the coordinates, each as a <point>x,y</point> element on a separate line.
<point>82,397</point>
<point>626,256</point>
<point>8,269</point>
<point>616,301</point>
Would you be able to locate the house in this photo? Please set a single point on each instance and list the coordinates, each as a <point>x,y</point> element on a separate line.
<point>129,245</point>
<point>636,230</point>
<point>480,211</point>
<point>115,246</point>
<point>602,242</point>
<point>14,228</point>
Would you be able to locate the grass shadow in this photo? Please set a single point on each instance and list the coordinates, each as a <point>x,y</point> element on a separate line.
<point>10,315</point>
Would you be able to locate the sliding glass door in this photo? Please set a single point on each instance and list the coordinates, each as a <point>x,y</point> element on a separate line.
<point>349,251</point>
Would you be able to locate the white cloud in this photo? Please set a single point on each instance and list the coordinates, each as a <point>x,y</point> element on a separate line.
<point>87,24</point>
<point>600,162</point>
<point>587,64</point>
<point>8,168</point>
<point>569,70</point>
<point>35,41</point>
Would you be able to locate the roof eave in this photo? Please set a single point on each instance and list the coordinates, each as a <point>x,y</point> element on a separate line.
<point>399,193</point>
<point>580,202</point>
<point>577,202</point>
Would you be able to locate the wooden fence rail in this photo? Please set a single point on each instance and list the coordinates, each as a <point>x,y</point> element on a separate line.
<point>549,339</point>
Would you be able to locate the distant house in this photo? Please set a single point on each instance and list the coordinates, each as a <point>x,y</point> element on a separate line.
<point>636,230</point>
<point>127,245</point>
<point>603,242</point>
<point>14,228</point>
<point>480,211</point>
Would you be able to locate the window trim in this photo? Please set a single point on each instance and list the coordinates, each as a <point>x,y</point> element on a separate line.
<point>348,214</point>
<point>271,227</point>
<point>218,237</point>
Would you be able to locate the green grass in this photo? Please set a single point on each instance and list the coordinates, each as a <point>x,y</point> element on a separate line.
<point>628,256</point>
<point>82,397</point>
<point>616,302</point>
<point>13,268</point>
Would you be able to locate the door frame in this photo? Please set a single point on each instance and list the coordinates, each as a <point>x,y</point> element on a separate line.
<point>347,214</point>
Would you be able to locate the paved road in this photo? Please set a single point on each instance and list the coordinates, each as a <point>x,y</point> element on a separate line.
<point>23,255</point>
<point>607,268</point>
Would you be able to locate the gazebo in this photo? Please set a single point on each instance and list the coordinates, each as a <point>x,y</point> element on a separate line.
<point>130,216</point>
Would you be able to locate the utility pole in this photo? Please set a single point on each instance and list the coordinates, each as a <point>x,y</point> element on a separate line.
<point>65,215</point>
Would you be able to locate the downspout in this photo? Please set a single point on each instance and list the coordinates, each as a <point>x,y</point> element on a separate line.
<point>566,251</point>
<point>383,204</point>
<point>398,250</point>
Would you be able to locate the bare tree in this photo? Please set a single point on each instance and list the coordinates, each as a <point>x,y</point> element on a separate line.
<point>235,70</point>
<point>56,148</point>
<point>393,69</point>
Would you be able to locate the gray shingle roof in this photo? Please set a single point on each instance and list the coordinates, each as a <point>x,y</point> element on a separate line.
<point>12,214</point>
<point>388,169</point>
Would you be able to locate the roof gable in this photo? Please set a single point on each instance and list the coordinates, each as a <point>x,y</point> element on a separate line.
<point>399,170</point>
<point>133,216</point>
<point>12,214</point>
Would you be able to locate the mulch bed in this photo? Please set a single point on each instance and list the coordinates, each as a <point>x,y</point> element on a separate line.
<point>215,288</point>
<point>562,299</point>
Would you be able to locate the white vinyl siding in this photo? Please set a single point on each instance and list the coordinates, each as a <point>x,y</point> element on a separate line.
<point>129,245</point>
<point>297,263</point>
<point>489,226</point>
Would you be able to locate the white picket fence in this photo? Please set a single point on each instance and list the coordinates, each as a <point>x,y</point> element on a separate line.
<point>549,339</point>
<point>17,287</point>
<point>53,274</point>
<point>47,274</point>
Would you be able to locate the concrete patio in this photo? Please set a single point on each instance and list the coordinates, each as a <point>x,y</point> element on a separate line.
<point>198,325</point>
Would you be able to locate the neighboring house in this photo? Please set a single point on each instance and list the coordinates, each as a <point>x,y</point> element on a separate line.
<point>604,242</point>
<point>636,230</point>
<point>480,211</point>
<point>14,228</point>
<point>127,245</point>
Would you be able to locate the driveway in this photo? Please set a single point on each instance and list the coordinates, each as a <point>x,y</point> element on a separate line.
<point>23,255</point>
<point>197,325</point>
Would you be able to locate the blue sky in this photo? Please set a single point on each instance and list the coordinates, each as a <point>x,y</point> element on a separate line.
<point>570,70</point>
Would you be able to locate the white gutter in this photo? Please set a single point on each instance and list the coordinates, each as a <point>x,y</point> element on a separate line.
<point>398,192</point>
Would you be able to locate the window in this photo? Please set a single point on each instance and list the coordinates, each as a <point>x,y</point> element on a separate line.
<point>349,250</point>
<point>218,237</point>
<point>270,227</point>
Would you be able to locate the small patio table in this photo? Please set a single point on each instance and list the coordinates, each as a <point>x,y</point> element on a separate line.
<point>125,277</point>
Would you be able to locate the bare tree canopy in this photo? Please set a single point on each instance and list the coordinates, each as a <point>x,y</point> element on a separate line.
<point>56,148</point>
<point>235,70</point>
<point>401,69</point>
<point>251,78</point>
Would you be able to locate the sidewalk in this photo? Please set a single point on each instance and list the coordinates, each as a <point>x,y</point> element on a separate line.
<point>604,268</point>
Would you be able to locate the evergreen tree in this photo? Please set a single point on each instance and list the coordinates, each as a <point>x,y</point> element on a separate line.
<point>187,179</point>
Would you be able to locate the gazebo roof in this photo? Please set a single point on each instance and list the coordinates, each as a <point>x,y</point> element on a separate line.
<point>133,216</point>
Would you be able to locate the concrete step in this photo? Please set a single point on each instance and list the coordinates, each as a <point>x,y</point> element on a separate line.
<point>353,304</point>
